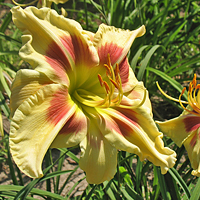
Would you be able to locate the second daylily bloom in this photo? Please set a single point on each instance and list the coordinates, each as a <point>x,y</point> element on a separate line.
<point>185,129</point>
<point>81,91</point>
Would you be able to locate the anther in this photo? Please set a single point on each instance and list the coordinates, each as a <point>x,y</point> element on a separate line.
<point>117,69</point>
<point>190,87</point>
<point>108,70</point>
<point>109,59</point>
<point>107,87</point>
<point>114,83</point>
<point>194,80</point>
<point>183,91</point>
<point>100,80</point>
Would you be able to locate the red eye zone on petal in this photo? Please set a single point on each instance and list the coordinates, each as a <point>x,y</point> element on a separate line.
<point>114,52</point>
<point>191,123</point>
<point>124,126</point>
<point>73,125</point>
<point>58,106</point>
<point>193,141</point>
<point>56,55</point>
<point>112,49</point>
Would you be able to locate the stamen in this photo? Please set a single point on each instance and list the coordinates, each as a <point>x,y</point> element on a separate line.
<point>117,70</point>
<point>167,96</point>
<point>192,95</point>
<point>109,62</point>
<point>108,72</point>
<point>100,80</point>
<point>115,83</point>
<point>192,98</point>
<point>195,80</point>
<point>192,112</point>
<point>107,87</point>
<point>180,99</point>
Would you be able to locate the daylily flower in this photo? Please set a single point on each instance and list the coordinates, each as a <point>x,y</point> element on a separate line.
<point>81,91</point>
<point>185,129</point>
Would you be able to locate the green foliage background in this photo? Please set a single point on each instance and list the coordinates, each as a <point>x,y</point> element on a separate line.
<point>167,53</point>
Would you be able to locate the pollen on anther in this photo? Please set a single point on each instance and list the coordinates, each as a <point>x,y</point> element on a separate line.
<point>100,80</point>
<point>107,87</point>
<point>114,83</point>
<point>183,91</point>
<point>117,69</point>
<point>108,70</point>
<point>194,80</point>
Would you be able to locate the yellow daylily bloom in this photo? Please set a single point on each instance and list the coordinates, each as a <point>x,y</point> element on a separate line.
<point>81,91</point>
<point>185,129</point>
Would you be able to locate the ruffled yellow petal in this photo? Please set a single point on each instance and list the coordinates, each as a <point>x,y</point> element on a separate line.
<point>115,41</point>
<point>135,131</point>
<point>98,157</point>
<point>127,76</point>
<point>180,128</point>
<point>73,132</point>
<point>184,130</point>
<point>35,125</point>
<point>26,83</point>
<point>192,145</point>
<point>54,45</point>
<point>136,97</point>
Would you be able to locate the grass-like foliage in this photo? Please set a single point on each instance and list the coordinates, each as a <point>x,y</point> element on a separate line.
<point>167,53</point>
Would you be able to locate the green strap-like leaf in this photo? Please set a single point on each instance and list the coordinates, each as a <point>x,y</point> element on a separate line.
<point>196,194</point>
<point>8,38</point>
<point>34,191</point>
<point>130,193</point>
<point>180,181</point>
<point>145,61</point>
<point>4,84</point>
<point>136,57</point>
<point>163,187</point>
<point>3,53</point>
